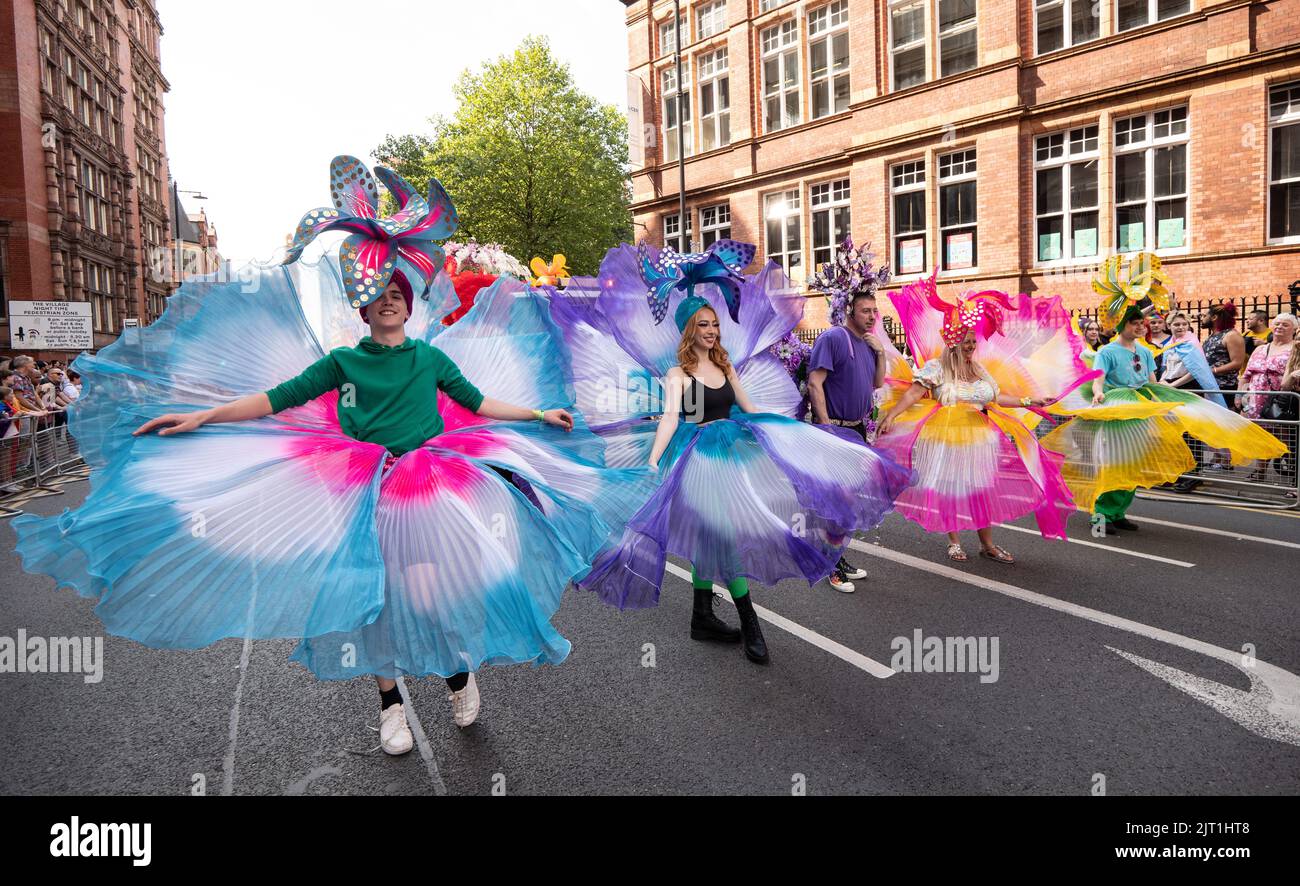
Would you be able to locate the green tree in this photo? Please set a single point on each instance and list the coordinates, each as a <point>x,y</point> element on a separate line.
<point>530,160</point>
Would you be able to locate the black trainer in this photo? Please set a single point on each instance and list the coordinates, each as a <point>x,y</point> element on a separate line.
<point>707,626</point>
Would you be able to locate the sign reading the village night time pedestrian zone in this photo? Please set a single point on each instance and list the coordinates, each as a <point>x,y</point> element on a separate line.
<point>50,326</point>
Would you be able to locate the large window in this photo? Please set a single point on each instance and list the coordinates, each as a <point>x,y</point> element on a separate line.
<point>668,35</point>
<point>673,238</point>
<point>828,58</point>
<point>93,194</point>
<point>907,188</point>
<point>710,19</point>
<point>957,217</point>
<point>98,280</point>
<point>782,211</point>
<point>1060,23</point>
<point>715,224</point>
<point>1151,181</point>
<point>715,101</point>
<point>1284,163</point>
<point>830,219</point>
<point>147,169</point>
<point>780,45</point>
<point>668,78</point>
<point>958,47</point>
<point>907,42</point>
<point>1065,195</point>
<point>1136,13</point>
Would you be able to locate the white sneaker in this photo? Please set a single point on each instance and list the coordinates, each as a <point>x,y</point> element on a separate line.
<point>465,704</point>
<point>844,586</point>
<point>855,573</point>
<point>394,735</point>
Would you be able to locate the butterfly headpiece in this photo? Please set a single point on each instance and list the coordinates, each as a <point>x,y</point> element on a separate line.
<point>370,256</point>
<point>722,264</point>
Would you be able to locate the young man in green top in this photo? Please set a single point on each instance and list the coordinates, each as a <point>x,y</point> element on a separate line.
<point>388,384</point>
<point>1125,365</point>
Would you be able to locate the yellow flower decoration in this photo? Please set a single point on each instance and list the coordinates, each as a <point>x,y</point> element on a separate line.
<point>553,274</point>
<point>1144,281</point>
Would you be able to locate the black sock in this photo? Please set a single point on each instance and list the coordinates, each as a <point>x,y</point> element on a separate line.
<point>389,697</point>
<point>458,682</point>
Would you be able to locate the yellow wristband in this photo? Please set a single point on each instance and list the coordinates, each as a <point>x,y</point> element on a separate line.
<point>538,415</point>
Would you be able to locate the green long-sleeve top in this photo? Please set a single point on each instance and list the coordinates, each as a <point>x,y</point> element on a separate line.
<point>393,395</point>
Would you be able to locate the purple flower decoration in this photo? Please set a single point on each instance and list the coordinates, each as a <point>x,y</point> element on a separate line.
<point>794,355</point>
<point>370,256</point>
<point>851,272</point>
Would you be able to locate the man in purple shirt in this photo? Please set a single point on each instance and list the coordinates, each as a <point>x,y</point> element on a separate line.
<point>846,367</point>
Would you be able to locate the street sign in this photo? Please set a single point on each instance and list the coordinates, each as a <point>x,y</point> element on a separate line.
<point>50,326</point>
<point>131,323</point>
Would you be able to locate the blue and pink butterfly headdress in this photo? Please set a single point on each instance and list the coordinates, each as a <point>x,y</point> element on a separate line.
<point>379,247</point>
<point>722,264</point>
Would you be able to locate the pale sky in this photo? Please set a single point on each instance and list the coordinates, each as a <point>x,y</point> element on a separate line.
<point>264,94</point>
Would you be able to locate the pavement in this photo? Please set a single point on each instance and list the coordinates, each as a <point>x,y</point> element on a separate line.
<point>1159,662</point>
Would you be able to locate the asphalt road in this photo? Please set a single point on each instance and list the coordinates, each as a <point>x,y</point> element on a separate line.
<point>1094,641</point>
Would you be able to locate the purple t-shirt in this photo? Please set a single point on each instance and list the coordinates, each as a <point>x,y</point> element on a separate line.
<point>850,366</point>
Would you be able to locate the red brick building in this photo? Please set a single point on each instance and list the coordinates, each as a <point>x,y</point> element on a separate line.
<point>83,187</point>
<point>1010,143</point>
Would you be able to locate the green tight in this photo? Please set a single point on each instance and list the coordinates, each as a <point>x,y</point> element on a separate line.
<point>738,587</point>
<point>1113,505</point>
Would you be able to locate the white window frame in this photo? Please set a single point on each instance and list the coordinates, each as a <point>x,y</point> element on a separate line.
<point>1290,116</point>
<point>785,49</point>
<point>908,177</point>
<point>939,35</point>
<point>1067,23</point>
<point>1148,146</point>
<point>922,41</point>
<point>672,229</point>
<point>714,71</point>
<point>1153,15</point>
<point>710,19</point>
<point>1076,146</point>
<point>715,224</point>
<point>669,95</point>
<point>786,207</point>
<point>835,16</point>
<point>828,198</point>
<point>668,35</point>
<point>968,172</point>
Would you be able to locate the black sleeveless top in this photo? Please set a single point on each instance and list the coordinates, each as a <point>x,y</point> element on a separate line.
<point>701,403</point>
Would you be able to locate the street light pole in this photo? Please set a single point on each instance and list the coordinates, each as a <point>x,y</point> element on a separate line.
<point>681,139</point>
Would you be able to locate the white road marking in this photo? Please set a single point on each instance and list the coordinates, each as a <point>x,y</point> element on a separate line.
<point>228,762</point>
<point>1239,536</point>
<point>421,740</point>
<point>1251,709</point>
<point>1110,548</point>
<point>839,650</point>
<point>1271,709</point>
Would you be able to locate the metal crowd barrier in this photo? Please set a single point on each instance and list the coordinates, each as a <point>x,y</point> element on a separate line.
<point>41,451</point>
<point>1274,484</point>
